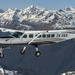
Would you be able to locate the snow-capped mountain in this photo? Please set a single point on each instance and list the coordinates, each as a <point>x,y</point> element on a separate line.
<point>36,18</point>
<point>8,72</point>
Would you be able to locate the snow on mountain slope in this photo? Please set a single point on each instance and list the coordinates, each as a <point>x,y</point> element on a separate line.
<point>36,18</point>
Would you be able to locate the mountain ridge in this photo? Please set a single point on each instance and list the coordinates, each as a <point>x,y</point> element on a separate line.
<point>36,18</point>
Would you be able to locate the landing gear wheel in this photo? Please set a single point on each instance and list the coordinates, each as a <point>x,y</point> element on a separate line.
<point>37,53</point>
<point>1,55</point>
<point>22,52</point>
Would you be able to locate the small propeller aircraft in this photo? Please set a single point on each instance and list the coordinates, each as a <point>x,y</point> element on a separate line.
<point>35,38</point>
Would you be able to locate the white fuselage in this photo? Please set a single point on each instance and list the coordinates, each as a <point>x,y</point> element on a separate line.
<point>51,36</point>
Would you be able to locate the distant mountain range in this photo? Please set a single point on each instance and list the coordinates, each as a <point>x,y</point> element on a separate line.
<point>36,18</point>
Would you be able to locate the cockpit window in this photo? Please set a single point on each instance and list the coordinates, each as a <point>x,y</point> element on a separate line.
<point>25,36</point>
<point>52,35</point>
<point>30,35</point>
<point>17,34</point>
<point>44,35</point>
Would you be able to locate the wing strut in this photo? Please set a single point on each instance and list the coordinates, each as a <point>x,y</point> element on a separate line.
<point>37,51</point>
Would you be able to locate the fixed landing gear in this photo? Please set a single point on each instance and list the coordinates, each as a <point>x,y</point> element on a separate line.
<point>37,53</point>
<point>23,51</point>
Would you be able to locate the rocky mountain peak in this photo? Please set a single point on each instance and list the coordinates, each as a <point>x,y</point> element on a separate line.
<point>36,17</point>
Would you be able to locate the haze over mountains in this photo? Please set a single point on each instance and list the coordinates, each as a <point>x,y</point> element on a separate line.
<point>34,17</point>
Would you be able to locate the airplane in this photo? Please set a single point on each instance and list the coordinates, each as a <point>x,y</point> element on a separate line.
<point>35,38</point>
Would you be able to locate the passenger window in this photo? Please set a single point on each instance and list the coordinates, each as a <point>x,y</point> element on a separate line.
<point>25,36</point>
<point>66,35</point>
<point>62,35</point>
<point>43,35</point>
<point>52,35</point>
<point>48,35</point>
<point>30,35</point>
<point>39,36</point>
<point>58,35</point>
<point>36,34</point>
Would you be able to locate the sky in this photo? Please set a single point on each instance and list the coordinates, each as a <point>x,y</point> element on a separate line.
<point>47,4</point>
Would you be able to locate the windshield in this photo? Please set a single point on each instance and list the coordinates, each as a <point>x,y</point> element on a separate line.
<point>17,34</point>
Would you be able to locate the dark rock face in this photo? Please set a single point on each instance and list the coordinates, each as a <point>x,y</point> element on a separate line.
<point>54,59</point>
